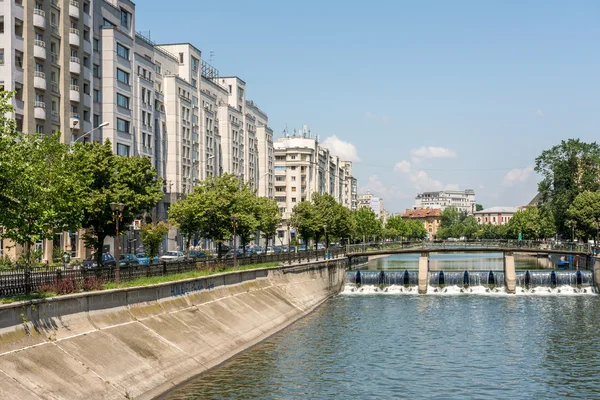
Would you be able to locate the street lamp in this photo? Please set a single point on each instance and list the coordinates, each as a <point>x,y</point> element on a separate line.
<point>326,241</point>
<point>117,209</point>
<point>234,219</point>
<point>90,132</point>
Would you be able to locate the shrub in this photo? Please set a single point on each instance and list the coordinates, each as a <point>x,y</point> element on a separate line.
<point>6,263</point>
<point>92,283</point>
<point>62,286</point>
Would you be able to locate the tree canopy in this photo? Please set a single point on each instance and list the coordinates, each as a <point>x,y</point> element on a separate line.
<point>584,215</point>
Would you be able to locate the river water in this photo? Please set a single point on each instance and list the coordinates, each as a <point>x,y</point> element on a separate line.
<point>386,346</point>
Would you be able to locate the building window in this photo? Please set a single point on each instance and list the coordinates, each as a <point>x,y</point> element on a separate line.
<point>96,70</point>
<point>122,51</point>
<point>124,18</point>
<point>96,120</point>
<point>96,44</point>
<point>122,76</point>
<point>106,22</point>
<point>96,95</point>
<point>180,58</point>
<point>39,129</point>
<point>122,150</point>
<point>122,101</point>
<point>122,125</point>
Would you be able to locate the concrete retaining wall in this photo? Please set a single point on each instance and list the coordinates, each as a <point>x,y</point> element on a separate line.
<point>140,342</point>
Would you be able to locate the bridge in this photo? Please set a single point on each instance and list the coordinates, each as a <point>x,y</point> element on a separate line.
<point>506,247</point>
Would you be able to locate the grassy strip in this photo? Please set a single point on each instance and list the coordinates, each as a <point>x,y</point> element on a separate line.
<point>146,281</point>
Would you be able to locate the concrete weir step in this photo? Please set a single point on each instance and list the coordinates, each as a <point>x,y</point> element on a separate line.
<point>140,342</point>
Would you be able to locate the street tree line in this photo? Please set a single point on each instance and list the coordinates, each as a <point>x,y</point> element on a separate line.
<point>217,204</point>
<point>48,187</point>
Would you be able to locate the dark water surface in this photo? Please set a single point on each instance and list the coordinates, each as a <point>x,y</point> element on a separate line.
<point>385,346</point>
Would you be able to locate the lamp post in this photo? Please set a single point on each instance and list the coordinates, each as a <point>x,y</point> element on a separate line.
<point>287,222</point>
<point>90,132</point>
<point>326,241</point>
<point>117,209</point>
<point>234,219</point>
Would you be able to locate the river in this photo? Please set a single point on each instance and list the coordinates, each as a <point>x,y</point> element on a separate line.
<point>386,346</point>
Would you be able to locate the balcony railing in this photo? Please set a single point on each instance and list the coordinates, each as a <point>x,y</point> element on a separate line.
<point>40,104</point>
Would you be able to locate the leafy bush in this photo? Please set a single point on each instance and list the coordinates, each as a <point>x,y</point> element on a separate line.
<point>57,255</point>
<point>62,286</point>
<point>6,263</point>
<point>92,283</point>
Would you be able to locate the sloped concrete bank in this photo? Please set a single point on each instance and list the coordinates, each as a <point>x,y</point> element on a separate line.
<point>140,342</point>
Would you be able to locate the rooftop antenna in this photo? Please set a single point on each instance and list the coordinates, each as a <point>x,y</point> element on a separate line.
<point>285,131</point>
<point>211,56</point>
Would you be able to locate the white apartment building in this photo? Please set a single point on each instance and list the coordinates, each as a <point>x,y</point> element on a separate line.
<point>350,190</point>
<point>303,167</point>
<point>375,203</point>
<point>463,200</point>
<point>76,65</point>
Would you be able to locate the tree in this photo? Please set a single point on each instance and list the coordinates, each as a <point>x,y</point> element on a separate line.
<point>568,169</point>
<point>451,216</point>
<point>585,213</point>
<point>334,218</point>
<point>245,207</point>
<point>398,225</point>
<point>268,217</point>
<point>415,229</point>
<point>152,235</point>
<point>42,191</point>
<point>478,207</point>
<point>366,223</point>
<point>306,220</point>
<point>532,223</point>
<point>111,178</point>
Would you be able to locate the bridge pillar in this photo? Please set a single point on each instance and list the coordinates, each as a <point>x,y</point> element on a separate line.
<point>510,275</point>
<point>596,268</point>
<point>423,272</point>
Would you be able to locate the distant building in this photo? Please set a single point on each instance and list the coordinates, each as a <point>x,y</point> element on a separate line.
<point>430,217</point>
<point>463,200</point>
<point>495,215</point>
<point>375,203</point>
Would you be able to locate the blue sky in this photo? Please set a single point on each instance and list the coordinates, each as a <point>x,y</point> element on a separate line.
<point>423,95</point>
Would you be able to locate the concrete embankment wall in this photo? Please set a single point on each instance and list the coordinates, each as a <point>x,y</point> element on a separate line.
<point>140,342</point>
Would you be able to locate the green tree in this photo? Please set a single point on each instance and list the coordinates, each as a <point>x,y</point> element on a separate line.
<point>585,213</point>
<point>268,217</point>
<point>42,191</point>
<point>334,218</point>
<point>366,223</point>
<point>415,229</point>
<point>246,207</point>
<point>568,169</point>
<point>478,207</point>
<point>451,216</point>
<point>398,225</point>
<point>306,220</point>
<point>152,235</point>
<point>111,178</point>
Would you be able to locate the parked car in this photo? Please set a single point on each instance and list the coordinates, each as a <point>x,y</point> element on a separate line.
<point>292,249</point>
<point>172,256</point>
<point>258,250</point>
<point>197,255</point>
<point>276,249</point>
<point>229,255</point>
<point>302,247</point>
<point>270,250</point>
<point>107,261</point>
<point>284,249</point>
<point>128,260</point>
<point>144,260</point>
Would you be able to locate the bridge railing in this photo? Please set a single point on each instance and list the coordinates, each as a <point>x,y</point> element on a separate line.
<point>458,244</point>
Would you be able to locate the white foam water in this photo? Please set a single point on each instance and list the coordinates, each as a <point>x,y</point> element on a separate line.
<point>474,290</point>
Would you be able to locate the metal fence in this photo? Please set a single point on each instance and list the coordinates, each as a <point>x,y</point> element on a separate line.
<point>28,280</point>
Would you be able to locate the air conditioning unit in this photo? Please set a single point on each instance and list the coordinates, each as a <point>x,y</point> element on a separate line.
<point>74,122</point>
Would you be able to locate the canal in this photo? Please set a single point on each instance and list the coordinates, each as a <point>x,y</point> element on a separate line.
<point>384,345</point>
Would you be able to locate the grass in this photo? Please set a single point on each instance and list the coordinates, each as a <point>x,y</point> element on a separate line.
<point>153,280</point>
<point>25,297</point>
<point>146,281</point>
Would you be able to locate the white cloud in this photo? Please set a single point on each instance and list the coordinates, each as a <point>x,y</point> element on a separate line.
<point>432,152</point>
<point>424,182</point>
<point>539,113</point>
<point>517,175</point>
<point>402,166</point>
<point>378,117</point>
<point>452,186</point>
<point>387,192</point>
<point>346,151</point>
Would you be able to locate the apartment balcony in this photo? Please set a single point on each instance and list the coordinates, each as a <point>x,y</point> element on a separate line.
<point>87,19</point>
<point>55,30</point>
<point>39,49</point>
<point>74,9</point>
<point>55,88</point>
<point>39,80</point>
<point>39,110</point>
<point>74,94</point>
<point>74,39</point>
<point>75,65</point>
<point>39,18</point>
<point>74,122</point>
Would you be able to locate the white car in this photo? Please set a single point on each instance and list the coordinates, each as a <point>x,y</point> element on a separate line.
<point>172,256</point>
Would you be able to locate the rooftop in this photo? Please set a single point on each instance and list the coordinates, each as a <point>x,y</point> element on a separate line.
<point>498,210</point>
<point>422,213</point>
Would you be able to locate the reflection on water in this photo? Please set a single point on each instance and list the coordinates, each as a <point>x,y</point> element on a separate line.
<point>388,347</point>
<point>463,261</point>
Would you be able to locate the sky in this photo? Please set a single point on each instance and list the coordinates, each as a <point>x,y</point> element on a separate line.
<point>421,95</point>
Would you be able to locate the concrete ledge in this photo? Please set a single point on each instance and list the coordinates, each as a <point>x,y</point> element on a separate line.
<point>142,341</point>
